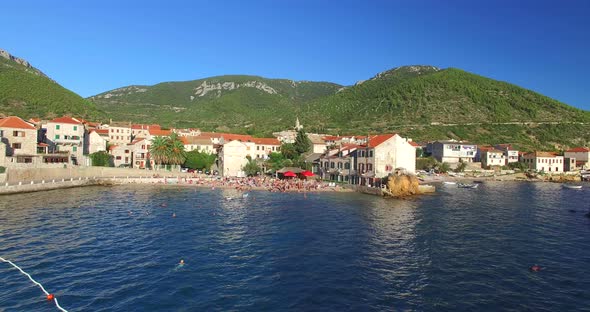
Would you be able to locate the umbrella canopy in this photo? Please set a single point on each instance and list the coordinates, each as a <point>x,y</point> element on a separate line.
<point>289,174</point>
<point>307,173</point>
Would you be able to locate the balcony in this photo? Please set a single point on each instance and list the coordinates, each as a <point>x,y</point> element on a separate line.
<point>68,141</point>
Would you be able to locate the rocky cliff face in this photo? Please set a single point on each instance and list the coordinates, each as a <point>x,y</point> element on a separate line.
<point>207,87</point>
<point>4,54</point>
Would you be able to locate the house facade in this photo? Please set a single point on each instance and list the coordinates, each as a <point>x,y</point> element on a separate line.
<point>96,142</point>
<point>544,161</point>
<point>492,157</point>
<point>264,146</point>
<point>120,133</point>
<point>232,157</point>
<point>19,139</point>
<point>452,151</point>
<point>67,135</point>
<point>510,153</point>
<point>582,156</point>
<point>362,164</point>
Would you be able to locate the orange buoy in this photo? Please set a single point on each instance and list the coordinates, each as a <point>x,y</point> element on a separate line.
<point>50,297</point>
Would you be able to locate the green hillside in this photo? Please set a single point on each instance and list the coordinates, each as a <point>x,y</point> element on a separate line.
<point>230,103</point>
<point>422,102</point>
<point>26,92</point>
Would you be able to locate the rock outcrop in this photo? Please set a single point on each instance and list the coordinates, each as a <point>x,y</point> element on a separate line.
<point>23,62</point>
<point>207,87</point>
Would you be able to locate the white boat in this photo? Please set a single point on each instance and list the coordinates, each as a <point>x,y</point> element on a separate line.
<point>449,182</point>
<point>572,186</point>
<point>467,185</point>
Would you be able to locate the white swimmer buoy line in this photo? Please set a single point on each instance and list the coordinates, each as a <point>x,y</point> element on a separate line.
<point>49,296</point>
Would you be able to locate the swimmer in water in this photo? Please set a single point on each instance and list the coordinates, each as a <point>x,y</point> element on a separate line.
<point>180,265</point>
<point>174,216</point>
<point>535,268</point>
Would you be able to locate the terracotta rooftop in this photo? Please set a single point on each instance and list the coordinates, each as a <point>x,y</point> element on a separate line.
<point>16,123</point>
<point>579,150</point>
<point>266,141</point>
<point>159,132</point>
<point>375,140</point>
<point>66,119</point>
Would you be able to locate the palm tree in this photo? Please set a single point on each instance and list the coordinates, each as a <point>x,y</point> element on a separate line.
<point>168,150</point>
<point>177,153</point>
<point>159,150</point>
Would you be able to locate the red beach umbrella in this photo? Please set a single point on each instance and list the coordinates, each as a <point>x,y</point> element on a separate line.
<point>307,173</point>
<point>289,174</point>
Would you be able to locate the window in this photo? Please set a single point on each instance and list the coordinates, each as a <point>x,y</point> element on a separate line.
<point>56,127</point>
<point>75,128</point>
<point>369,167</point>
<point>126,151</point>
<point>371,153</point>
<point>74,149</point>
<point>347,166</point>
<point>16,145</point>
<point>57,136</point>
<point>332,164</point>
<point>257,148</point>
<point>118,158</point>
<point>18,133</point>
<point>339,165</point>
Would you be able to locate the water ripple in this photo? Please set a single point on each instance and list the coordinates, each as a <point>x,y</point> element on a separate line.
<point>116,249</point>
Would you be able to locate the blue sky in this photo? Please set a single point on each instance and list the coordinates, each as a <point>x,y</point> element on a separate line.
<point>94,46</point>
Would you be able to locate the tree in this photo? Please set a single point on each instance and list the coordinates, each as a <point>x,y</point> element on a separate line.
<point>444,167</point>
<point>199,160</point>
<point>100,159</point>
<point>251,168</point>
<point>159,150</point>
<point>288,151</point>
<point>168,150</point>
<point>176,147</point>
<point>302,143</point>
<point>461,166</point>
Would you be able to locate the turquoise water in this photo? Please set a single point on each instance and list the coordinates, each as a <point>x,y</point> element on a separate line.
<point>117,249</point>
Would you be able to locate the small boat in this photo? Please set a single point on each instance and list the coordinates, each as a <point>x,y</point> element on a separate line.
<point>245,195</point>
<point>572,186</point>
<point>449,183</point>
<point>467,185</point>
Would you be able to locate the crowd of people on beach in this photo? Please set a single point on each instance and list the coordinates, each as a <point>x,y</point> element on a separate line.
<point>271,184</point>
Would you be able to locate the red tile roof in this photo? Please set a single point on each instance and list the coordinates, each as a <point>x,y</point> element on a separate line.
<point>67,119</point>
<point>102,131</point>
<point>414,144</point>
<point>266,141</point>
<point>579,150</point>
<point>159,132</point>
<point>484,148</point>
<point>232,137</point>
<point>375,140</point>
<point>16,123</point>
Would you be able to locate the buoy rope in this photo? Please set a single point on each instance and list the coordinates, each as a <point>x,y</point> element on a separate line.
<point>36,283</point>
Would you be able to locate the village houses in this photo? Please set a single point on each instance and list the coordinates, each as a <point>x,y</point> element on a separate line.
<point>581,156</point>
<point>68,135</point>
<point>544,161</point>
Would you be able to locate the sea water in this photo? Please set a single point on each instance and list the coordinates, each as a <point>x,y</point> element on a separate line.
<point>118,249</point>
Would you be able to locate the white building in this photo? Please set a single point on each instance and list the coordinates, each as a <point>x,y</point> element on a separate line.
<point>67,134</point>
<point>452,151</point>
<point>492,157</point>
<point>96,142</point>
<point>120,133</point>
<point>198,143</point>
<point>544,161</point>
<point>265,146</point>
<point>232,157</point>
